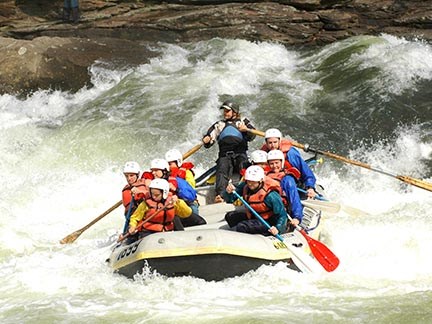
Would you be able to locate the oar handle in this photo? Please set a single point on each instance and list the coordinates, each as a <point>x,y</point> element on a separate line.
<point>128,215</point>
<point>192,150</point>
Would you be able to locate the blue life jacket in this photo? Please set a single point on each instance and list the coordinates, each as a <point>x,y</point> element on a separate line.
<point>230,130</point>
<point>185,191</point>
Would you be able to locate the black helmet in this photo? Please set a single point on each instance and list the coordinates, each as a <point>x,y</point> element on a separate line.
<point>231,106</point>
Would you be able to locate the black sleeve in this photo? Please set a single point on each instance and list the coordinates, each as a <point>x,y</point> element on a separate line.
<point>249,136</point>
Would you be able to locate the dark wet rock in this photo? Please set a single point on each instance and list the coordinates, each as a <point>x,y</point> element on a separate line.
<point>58,54</point>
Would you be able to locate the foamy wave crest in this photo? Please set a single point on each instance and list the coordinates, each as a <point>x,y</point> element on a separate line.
<point>402,63</point>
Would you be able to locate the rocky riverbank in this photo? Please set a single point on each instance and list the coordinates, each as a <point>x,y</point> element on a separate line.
<point>39,51</point>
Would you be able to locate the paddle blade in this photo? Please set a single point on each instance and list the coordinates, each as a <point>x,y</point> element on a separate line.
<point>324,205</point>
<point>322,253</point>
<point>416,182</point>
<point>71,237</point>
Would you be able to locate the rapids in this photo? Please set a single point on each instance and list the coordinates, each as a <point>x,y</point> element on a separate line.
<point>366,98</point>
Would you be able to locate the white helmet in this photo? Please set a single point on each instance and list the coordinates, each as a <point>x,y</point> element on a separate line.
<point>276,155</point>
<point>159,164</point>
<point>258,156</point>
<point>160,184</point>
<point>272,132</point>
<point>174,155</point>
<point>131,167</point>
<point>254,173</point>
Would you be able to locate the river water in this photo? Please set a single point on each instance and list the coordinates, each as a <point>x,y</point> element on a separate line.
<point>365,98</point>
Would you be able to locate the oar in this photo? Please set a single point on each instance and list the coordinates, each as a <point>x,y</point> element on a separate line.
<point>142,222</point>
<point>303,261</point>
<point>73,236</point>
<point>331,207</point>
<point>325,206</point>
<point>128,215</point>
<point>305,147</point>
<point>192,150</point>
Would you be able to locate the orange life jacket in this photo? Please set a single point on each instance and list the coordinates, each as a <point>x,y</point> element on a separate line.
<point>163,221</point>
<point>278,177</point>
<point>127,196</point>
<point>256,200</point>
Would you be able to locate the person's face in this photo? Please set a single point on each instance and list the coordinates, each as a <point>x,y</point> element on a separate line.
<point>157,173</point>
<point>253,185</point>
<point>131,177</point>
<point>172,164</point>
<point>275,165</point>
<point>273,143</point>
<point>156,194</point>
<point>228,114</point>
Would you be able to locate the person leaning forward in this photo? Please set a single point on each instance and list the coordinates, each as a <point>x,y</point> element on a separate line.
<point>263,195</point>
<point>232,137</point>
<point>162,206</point>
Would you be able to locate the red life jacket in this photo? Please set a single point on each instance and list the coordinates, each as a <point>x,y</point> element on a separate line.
<point>163,221</point>
<point>256,200</point>
<point>127,196</point>
<point>171,179</point>
<point>181,171</point>
<point>188,166</point>
<point>147,177</point>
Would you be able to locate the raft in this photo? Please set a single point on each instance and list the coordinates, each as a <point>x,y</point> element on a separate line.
<point>214,251</point>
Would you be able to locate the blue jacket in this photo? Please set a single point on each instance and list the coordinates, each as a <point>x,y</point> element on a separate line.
<point>307,177</point>
<point>289,186</point>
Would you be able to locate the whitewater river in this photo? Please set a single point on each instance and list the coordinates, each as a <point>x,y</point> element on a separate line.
<point>366,98</point>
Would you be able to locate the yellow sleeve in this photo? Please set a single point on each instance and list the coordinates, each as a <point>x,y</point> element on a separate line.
<point>190,178</point>
<point>138,214</point>
<point>181,209</point>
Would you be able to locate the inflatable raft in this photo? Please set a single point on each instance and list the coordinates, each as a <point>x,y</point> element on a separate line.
<point>215,252</point>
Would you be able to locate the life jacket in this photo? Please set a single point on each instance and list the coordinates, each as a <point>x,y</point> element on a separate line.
<point>148,177</point>
<point>278,176</point>
<point>181,171</point>
<point>185,191</point>
<point>188,166</point>
<point>230,130</point>
<point>284,146</point>
<point>163,221</point>
<point>256,200</point>
<point>127,196</point>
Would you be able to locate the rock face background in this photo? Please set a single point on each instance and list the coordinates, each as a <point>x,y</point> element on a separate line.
<point>39,51</point>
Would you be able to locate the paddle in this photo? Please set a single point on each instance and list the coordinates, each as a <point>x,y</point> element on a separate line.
<point>128,215</point>
<point>73,236</point>
<point>331,207</point>
<point>192,150</point>
<point>325,206</point>
<point>142,222</point>
<point>305,147</point>
<point>321,253</point>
